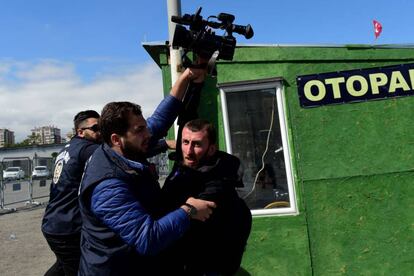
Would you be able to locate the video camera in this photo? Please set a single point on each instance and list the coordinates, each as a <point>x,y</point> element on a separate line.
<point>200,39</point>
<point>203,41</point>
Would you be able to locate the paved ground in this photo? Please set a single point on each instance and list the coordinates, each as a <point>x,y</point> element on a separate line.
<point>23,250</point>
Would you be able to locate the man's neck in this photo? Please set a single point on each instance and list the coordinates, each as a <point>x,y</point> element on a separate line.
<point>118,150</point>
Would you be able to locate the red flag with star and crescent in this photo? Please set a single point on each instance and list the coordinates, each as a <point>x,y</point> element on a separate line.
<point>377,28</point>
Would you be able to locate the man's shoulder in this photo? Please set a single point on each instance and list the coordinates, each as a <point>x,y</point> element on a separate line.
<point>80,141</point>
<point>227,167</point>
<point>226,159</point>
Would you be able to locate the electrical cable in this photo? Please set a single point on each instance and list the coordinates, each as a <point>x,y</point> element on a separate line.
<point>266,149</point>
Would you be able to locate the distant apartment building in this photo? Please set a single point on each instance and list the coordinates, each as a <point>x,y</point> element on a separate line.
<point>6,137</point>
<point>70,134</point>
<point>46,135</point>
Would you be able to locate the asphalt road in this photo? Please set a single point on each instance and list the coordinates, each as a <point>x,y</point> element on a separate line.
<point>23,249</point>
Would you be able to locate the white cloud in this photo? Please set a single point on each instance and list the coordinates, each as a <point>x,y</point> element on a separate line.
<point>45,70</point>
<point>51,93</point>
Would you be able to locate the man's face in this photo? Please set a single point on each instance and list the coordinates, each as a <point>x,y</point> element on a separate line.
<point>195,147</point>
<point>89,130</point>
<point>135,142</point>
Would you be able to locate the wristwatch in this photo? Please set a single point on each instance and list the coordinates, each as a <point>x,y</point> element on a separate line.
<point>192,211</point>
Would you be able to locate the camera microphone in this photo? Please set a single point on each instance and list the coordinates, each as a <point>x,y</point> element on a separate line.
<point>226,17</point>
<point>247,30</point>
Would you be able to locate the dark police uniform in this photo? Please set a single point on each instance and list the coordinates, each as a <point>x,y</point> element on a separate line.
<point>62,223</point>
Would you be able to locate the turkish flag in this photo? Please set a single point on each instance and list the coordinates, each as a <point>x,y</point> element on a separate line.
<point>377,28</point>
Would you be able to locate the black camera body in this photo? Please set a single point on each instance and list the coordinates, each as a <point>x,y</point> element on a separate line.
<point>202,40</point>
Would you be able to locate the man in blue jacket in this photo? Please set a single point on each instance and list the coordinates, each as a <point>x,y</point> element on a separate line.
<point>61,223</point>
<point>123,225</point>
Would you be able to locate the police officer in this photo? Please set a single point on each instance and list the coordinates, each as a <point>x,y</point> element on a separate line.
<point>62,223</point>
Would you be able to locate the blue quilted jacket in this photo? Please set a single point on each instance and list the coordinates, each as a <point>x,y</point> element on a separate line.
<point>123,228</point>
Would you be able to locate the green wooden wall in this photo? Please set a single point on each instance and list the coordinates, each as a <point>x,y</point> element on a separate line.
<point>353,166</point>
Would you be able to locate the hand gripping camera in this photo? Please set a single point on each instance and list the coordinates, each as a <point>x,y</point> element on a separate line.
<point>203,41</point>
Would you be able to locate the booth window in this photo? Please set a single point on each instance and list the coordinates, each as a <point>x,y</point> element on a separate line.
<point>255,131</point>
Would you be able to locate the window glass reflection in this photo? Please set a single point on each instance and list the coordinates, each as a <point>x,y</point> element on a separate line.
<point>251,115</point>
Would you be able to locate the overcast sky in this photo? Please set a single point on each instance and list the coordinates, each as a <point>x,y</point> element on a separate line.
<point>60,57</point>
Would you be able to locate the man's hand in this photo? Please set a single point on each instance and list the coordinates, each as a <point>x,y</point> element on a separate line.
<point>204,208</point>
<point>195,75</point>
<point>171,144</point>
<point>198,73</point>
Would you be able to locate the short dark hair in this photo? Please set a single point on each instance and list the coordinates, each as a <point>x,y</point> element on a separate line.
<point>115,118</point>
<point>84,115</point>
<point>201,124</point>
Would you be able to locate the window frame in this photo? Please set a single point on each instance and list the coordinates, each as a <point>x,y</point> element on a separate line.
<point>273,83</point>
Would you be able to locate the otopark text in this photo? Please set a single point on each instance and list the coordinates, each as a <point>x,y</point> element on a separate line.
<point>356,85</point>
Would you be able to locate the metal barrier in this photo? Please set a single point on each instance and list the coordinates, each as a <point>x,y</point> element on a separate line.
<point>161,162</point>
<point>14,192</point>
<point>17,191</point>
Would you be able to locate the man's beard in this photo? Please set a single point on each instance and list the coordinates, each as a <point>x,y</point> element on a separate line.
<point>97,140</point>
<point>132,152</point>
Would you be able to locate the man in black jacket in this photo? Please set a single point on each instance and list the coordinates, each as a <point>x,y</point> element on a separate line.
<point>216,245</point>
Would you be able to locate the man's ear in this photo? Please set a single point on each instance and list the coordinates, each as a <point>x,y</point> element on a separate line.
<point>212,150</point>
<point>116,140</point>
<point>80,132</point>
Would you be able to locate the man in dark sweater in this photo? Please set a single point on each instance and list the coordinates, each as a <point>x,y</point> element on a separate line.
<point>203,172</point>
